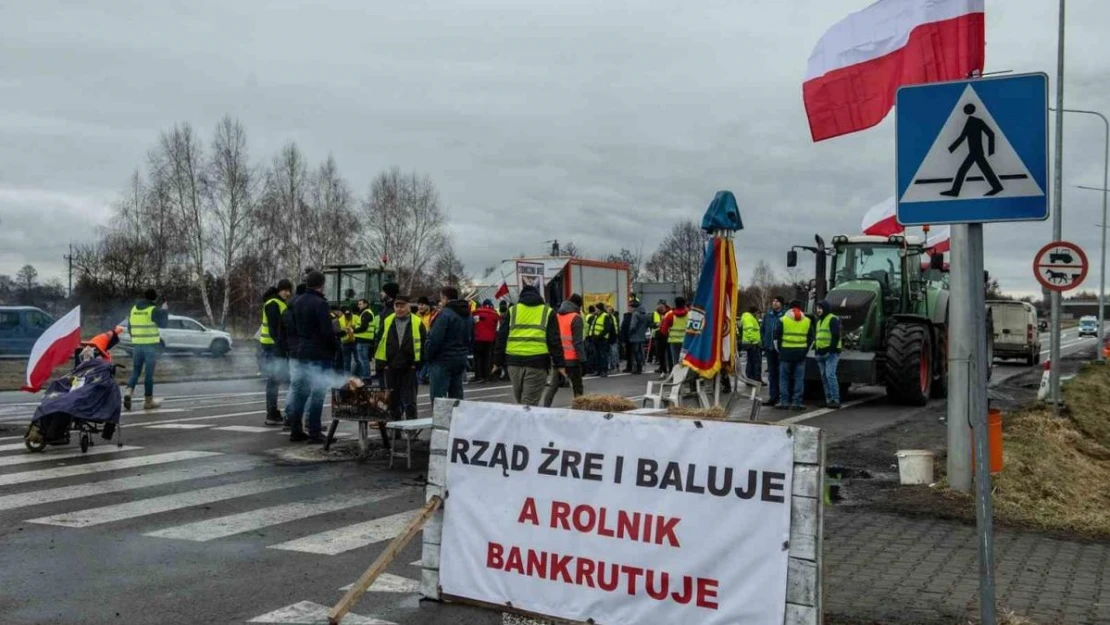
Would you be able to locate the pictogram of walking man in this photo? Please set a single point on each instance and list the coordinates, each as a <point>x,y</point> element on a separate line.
<point>973,133</point>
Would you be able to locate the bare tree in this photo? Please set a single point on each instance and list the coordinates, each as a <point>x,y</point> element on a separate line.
<point>763,282</point>
<point>27,278</point>
<point>570,249</point>
<point>332,225</point>
<point>229,192</point>
<point>404,223</point>
<point>448,268</point>
<point>180,159</point>
<point>680,256</point>
<point>283,228</point>
<point>634,260</point>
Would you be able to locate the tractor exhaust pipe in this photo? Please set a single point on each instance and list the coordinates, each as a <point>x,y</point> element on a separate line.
<point>822,281</point>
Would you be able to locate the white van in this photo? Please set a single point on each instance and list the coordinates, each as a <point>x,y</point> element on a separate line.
<point>1016,334</point>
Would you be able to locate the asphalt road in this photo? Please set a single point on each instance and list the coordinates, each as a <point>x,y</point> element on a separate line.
<point>207,516</point>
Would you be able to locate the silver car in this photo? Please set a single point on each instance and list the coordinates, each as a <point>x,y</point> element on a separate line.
<point>183,334</point>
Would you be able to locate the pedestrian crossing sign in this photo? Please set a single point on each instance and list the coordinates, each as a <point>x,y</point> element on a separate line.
<point>972,151</point>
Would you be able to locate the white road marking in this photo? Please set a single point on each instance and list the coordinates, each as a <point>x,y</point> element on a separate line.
<point>97,467</point>
<point>177,501</point>
<point>250,429</point>
<point>207,418</point>
<point>468,397</point>
<point>351,537</point>
<point>11,438</point>
<point>12,446</point>
<point>390,583</point>
<point>65,493</point>
<point>220,527</point>
<point>824,411</point>
<point>178,426</point>
<point>307,612</point>
<point>7,461</point>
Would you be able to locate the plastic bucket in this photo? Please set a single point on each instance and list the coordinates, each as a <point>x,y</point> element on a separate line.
<point>915,466</point>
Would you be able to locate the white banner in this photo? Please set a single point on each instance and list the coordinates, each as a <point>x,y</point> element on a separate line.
<point>529,274</point>
<point>619,519</point>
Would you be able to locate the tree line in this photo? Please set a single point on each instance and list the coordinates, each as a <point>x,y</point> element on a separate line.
<point>210,228</point>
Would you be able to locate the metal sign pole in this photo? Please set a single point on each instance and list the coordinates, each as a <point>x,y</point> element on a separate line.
<point>961,345</point>
<point>1057,217</point>
<point>977,411</point>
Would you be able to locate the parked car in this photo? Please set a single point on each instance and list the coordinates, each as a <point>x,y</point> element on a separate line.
<point>20,327</point>
<point>1016,332</point>
<point>1088,326</point>
<point>183,334</point>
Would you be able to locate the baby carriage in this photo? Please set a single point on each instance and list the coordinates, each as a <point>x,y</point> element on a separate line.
<point>87,400</point>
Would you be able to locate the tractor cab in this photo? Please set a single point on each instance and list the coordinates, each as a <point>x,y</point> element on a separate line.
<point>346,284</point>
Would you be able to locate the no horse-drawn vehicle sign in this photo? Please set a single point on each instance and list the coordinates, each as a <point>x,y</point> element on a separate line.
<point>1060,266</point>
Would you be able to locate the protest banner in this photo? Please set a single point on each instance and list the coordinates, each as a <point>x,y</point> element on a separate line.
<point>624,518</point>
<point>529,274</point>
<point>593,299</point>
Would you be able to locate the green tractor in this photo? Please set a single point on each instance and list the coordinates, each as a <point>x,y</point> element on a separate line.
<point>346,284</point>
<point>892,301</point>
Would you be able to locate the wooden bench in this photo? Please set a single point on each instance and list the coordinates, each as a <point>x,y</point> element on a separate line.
<point>409,430</point>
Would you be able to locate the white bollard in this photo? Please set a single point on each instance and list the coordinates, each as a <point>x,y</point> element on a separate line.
<point>1042,392</point>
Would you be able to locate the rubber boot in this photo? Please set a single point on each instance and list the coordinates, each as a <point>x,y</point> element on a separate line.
<point>151,404</point>
<point>127,399</point>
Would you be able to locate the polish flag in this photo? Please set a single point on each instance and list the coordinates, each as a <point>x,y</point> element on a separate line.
<point>939,240</point>
<point>881,219</point>
<point>54,347</point>
<point>858,65</point>
<point>502,290</point>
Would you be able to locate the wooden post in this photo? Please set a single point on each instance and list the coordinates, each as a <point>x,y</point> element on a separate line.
<point>336,614</point>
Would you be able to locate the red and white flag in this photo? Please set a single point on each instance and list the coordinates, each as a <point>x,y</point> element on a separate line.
<point>881,219</point>
<point>939,240</point>
<point>54,347</point>
<point>502,290</point>
<point>858,65</point>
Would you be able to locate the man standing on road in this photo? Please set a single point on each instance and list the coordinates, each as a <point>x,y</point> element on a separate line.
<point>772,319</point>
<point>749,341</point>
<point>485,335</point>
<point>317,344</point>
<point>674,328</point>
<point>795,335</point>
<point>143,324</point>
<point>448,346</point>
<point>530,346</point>
<point>366,330</point>
<point>289,338</point>
<point>659,340</point>
<point>273,341</point>
<point>599,327</point>
<point>400,352</point>
<point>638,324</point>
<point>827,345</point>
<point>574,349</point>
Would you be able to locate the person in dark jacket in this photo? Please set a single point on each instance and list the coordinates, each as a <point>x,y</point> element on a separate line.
<point>448,346</point>
<point>768,330</point>
<point>574,350</point>
<point>317,344</point>
<point>794,337</point>
<point>529,358</point>
<point>289,339</point>
<point>622,338</point>
<point>399,354</point>
<point>826,344</point>
<point>144,323</point>
<point>638,325</point>
<point>366,328</point>
<point>274,346</point>
<point>600,331</point>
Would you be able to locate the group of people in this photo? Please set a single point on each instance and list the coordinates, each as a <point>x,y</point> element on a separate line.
<point>784,338</point>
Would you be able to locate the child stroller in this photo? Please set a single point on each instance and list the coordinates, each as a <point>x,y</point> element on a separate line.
<point>87,400</point>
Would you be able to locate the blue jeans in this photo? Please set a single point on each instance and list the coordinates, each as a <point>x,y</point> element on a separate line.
<point>637,358</point>
<point>143,358</point>
<point>293,365</point>
<point>601,358</point>
<point>827,364</point>
<point>349,356</point>
<point>773,371</point>
<point>792,382</point>
<point>363,354</point>
<point>675,350</point>
<point>307,391</point>
<point>444,381</point>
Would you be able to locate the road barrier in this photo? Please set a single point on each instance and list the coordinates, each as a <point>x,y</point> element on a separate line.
<point>624,518</point>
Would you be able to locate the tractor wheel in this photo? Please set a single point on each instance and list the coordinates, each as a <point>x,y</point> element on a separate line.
<point>909,364</point>
<point>940,361</point>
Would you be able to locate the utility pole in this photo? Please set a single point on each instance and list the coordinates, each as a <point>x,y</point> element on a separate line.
<point>1057,216</point>
<point>69,262</point>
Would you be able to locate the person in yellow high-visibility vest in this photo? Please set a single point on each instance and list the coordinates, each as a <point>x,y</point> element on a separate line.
<point>530,345</point>
<point>794,335</point>
<point>274,345</point>
<point>348,352</point>
<point>827,347</point>
<point>143,325</point>
<point>749,342</point>
<point>366,330</point>
<point>674,328</point>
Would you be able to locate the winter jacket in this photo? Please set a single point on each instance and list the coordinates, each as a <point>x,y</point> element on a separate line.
<point>608,330</point>
<point>485,325</point>
<point>449,340</point>
<point>638,325</point>
<point>577,328</point>
<point>668,320</point>
<point>772,321</point>
<point>554,357</point>
<point>159,316</point>
<point>289,329</point>
<point>316,337</point>
<point>795,354</point>
<point>400,355</point>
<point>834,329</point>
<point>276,319</point>
<point>626,321</point>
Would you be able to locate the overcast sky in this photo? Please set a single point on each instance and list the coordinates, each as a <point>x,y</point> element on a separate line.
<point>601,122</point>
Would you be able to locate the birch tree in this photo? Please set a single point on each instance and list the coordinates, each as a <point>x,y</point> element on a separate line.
<point>404,223</point>
<point>229,193</point>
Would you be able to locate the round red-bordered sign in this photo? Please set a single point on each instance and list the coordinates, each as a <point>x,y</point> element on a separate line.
<point>1060,266</point>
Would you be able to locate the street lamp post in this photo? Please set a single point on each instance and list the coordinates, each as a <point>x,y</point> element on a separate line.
<point>1105,191</point>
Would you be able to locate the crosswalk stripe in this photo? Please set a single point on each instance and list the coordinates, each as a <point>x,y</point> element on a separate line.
<point>65,493</point>
<point>97,467</point>
<point>178,426</point>
<point>11,438</point>
<point>7,461</point>
<point>351,537</point>
<point>177,501</point>
<point>250,429</point>
<point>211,529</point>
<point>309,612</point>
<point>390,583</point>
<point>12,446</point>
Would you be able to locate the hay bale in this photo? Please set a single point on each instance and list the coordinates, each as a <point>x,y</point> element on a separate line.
<point>603,403</point>
<point>715,413</point>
